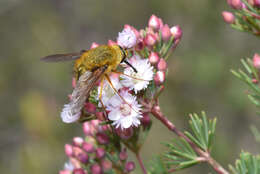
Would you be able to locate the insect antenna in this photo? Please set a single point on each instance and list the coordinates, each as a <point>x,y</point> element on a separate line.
<point>129,64</point>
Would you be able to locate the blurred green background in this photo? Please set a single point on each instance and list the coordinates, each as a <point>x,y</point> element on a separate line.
<point>32,93</point>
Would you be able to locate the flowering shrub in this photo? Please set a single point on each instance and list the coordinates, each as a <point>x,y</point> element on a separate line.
<point>119,122</point>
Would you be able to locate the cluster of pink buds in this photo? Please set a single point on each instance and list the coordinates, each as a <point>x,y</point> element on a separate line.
<point>247,15</point>
<point>95,153</point>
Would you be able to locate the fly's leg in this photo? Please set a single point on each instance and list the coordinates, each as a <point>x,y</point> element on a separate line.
<point>100,95</point>
<point>112,86</point>
<point>117,72</point>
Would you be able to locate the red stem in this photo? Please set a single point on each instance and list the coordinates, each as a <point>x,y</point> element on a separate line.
<point>140,162</point>
<point>159,115</point>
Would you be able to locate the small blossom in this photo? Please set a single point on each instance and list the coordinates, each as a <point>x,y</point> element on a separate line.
<point>110,43</point>
<point>146,120</point>
<point>68,150</point>
<point>256,61</point>
<point>123,155</point>
<point>94,45</point>
<point>90,107</point>
<point>79,171</point>
<point>159,77</point>
<point>176,32</point>
<point>124,113</point>
<point>100,153</point>
<point>133,29</point>
<point>96,169</point>
<point>106,165</point>
<point>77,141</point>
<point>129,166</point>
<point>126,38</point>
<point>64,172</point>
<point>154,23</point>
<point>88,147</point>
<point>125,134</point>
<point>153,58</point>
<point>150,40</point>
<point>144,73</point>
<point>166,32</point>
<point>69,166</point>
<point>162,65</point>
<point>228,17</point>
<point>236,4</point>
<point>107,91</point>
<point>257,3</point>
<point>102,138</point>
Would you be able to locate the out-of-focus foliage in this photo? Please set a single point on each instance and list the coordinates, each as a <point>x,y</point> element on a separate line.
<point>247,164</point>
<point>33,92</point>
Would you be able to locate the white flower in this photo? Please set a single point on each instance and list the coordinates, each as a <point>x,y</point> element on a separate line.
<point>108,92</point>
<point>126,38</point>
<point>144,73</point>
<point>124,113</point>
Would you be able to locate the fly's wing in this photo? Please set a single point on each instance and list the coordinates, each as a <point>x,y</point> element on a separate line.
<point>71,112</point>
<point>61,57</point>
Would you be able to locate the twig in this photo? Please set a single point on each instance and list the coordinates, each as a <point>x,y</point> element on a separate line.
<point>155,110</point>
<point>140,162</point>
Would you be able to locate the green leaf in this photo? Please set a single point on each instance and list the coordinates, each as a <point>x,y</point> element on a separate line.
<point>203,131</point>
<point>247,164</point>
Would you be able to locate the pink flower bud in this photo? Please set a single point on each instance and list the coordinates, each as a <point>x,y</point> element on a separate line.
<point>68,150</point>
<point>90,108</point>
<point>166,32</point>
<point>129,166</point>
<point>150,40</point>
<point>126,133</point>
<point>162,65</point>
<point>256,61</point>
<point>153,58</point>
<point>77,151</point>
<point>106,165</point>
<point>64,172</point>
<point>79,171</point>
<point>161,22</point>
<point>255,81</point>
<point>154,23</point>
<point>82,157</point>
<point>87,128</point>
<point>257,3</point>
<point>146,120</point>
<point>96,169</point>
<point>159,77</point>
<point>77,141</point>
<point>133,29</point>
<point>102,138</point>
<point>123,155</point>
<point>110,43</point>
<point>75,163</point>
<point>176,32</point>
<point>100,153</point>
<point>74,82</point>
<point>229,2</point>
<point>228,17</point>
<point>100,115</point>
<point>94,45</point>
<point>88,147</point>
<point>236,4</point>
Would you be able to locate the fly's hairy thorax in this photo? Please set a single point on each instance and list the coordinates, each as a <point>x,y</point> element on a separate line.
<point>95,58</point>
